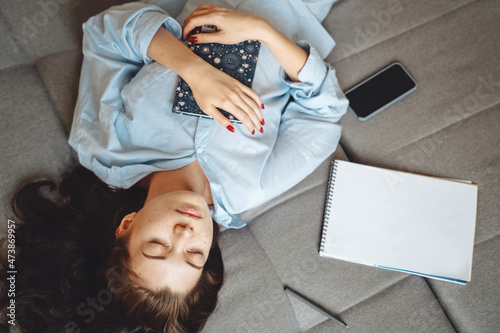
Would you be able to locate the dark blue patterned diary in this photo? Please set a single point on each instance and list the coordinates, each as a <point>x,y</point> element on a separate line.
<point>237,60</point>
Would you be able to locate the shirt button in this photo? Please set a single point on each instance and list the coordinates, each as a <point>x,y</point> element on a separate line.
<point>200,150</point>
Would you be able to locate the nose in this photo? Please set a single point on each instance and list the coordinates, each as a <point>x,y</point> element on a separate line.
<point>183,229</point>
<point>183,233</point>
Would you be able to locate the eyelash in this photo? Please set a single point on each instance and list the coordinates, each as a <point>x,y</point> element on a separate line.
<point>163,244</point>
<point>159,243</point>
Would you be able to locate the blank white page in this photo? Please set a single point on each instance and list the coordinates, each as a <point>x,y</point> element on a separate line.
<point>402,221</point>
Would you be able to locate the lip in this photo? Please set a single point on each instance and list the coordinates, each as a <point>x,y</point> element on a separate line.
<point>189,211</point>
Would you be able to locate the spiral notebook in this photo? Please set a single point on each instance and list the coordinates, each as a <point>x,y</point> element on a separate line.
<point>400,221</point>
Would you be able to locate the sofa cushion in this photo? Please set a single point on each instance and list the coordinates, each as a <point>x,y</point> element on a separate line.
<point>449,127</point>
<point>360,24</point>
<point>455,62</point>
<point>60,73</point>
<point>252,298</point>
<point>474,308</point>
<point>32,136</point>
<point>48,26</point>
<point>11,54</point>
<point>407,306</point>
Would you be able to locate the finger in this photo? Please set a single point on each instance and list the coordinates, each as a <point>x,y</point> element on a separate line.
<point>255,99</point>
<point>252,111</point>
<point>242,116</point>
<point>204,15</point>
<point>241,110</point>
<point>214,37</point>
<point>186,32</point>
<point>198,18</point>
<point>201,10</point>
<point>219,117</point>
<point>189,26</point>
<point>190,23</point>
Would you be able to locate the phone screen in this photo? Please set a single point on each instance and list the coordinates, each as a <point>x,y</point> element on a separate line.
<point>380,90</point>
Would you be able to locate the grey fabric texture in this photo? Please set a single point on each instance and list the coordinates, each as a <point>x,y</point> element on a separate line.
<point>474,308</point>
<point>454,61</point>
<point>33,142</point>
<point>306,315</point>
<point>60,73</point>
<point>358,25</point>
<point>252,299</point>
<point>48,26</point>
<point>449,128</point>
<point>407,306</point>
<point>11,53</point>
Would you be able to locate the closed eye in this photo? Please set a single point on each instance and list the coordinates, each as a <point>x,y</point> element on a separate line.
<point>194,266</point>
<point>196,252</point>
<point>154,257</point>
<point>164,258</point>
<point>161,257</point>
<point>159,242</point>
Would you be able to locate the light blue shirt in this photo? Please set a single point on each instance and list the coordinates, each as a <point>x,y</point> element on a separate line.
<point>124,129</point>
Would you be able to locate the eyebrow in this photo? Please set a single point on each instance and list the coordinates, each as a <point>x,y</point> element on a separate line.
<point>163,258</point>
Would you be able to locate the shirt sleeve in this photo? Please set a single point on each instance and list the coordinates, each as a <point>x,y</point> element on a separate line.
<point>309,131</point>
<point>115,43</point>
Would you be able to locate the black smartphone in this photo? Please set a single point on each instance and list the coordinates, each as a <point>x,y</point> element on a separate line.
<point>380,90</point>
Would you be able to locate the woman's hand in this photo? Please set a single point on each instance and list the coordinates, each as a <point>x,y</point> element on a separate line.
<point>233,27</point>
<point>214,89</point>
<point>211,87</point>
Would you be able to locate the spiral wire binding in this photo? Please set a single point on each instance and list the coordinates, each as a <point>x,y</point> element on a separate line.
<point>328,204</point>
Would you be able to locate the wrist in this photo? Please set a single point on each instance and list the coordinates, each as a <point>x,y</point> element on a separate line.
<point>167,50</point>
<point>290,56</point>
<point>193,68</point>
<point>266,31</point>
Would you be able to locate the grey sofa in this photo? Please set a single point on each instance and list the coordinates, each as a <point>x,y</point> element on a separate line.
<point>450,127</point>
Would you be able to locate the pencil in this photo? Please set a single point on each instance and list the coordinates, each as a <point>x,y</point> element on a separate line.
<point>314,306</point>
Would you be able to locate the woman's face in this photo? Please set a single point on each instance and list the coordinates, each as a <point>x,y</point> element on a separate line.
<point>170,239</point>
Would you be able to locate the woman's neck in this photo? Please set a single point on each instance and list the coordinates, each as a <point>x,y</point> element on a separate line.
<point>188,178</point>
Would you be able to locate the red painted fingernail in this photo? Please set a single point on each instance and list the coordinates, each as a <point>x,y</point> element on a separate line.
<point>262,122</point>
<point>230,128</point>
<point>193,39</point>
<point>253,132</point>
<point>262,106</point>
<point>261,130</point>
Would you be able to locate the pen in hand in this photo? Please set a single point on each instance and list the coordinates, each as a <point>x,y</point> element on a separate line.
<point>314,306</point>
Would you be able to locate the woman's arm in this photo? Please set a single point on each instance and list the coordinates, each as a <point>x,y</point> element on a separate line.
<point>120,40</point>
<point>114,48</point>
<point>235,27</point>
<point>308,125</point>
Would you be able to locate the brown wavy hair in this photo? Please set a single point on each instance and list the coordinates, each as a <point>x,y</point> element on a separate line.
<point>73,275</point>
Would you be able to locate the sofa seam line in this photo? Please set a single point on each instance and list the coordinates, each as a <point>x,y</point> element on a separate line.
<point>403,32</point>
<point>54,111</point>
<point>366,299</point>
<point>277,276</point>
<point>441,306</point>
<point>406,145</point>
